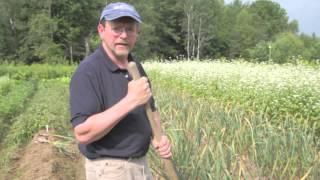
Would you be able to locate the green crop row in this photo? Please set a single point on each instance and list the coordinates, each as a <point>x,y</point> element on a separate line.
<point>13,102</point>
<point>36,71</point>
<point>5,85</point>
<point>48,107</point>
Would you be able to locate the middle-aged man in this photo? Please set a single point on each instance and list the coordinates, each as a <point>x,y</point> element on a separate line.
<point>107,112</point>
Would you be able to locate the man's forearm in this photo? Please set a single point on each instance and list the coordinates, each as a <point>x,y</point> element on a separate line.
<point>98,125</point>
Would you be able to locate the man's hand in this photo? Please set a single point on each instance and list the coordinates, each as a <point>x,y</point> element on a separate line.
<point>163,147</point>
<point>139,91</point>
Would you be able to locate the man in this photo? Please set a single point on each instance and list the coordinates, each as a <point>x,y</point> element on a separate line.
<point>107,111</point>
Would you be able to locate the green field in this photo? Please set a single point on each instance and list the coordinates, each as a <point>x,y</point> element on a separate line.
<point>226,120</point>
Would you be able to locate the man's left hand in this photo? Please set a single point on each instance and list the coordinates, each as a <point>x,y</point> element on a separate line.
<point>163,147</point>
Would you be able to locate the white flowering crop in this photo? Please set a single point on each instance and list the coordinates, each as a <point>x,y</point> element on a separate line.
<point>269,88</point>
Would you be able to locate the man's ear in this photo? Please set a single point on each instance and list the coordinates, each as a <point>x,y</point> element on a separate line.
<point>100,28</point>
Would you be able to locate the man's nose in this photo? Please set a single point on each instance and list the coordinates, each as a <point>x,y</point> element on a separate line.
<point>124,33</point>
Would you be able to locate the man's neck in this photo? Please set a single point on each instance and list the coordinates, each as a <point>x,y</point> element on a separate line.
<point>121,62</point>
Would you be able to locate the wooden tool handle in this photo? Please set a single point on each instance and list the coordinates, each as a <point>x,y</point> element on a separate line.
<point>156,130</point>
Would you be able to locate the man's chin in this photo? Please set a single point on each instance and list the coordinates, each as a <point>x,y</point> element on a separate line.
<point>122,54</point>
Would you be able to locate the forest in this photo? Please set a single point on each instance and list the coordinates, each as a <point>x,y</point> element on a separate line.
<point>65,31</point>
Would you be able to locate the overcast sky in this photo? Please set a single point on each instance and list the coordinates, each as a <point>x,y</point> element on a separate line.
<point>306,12</point>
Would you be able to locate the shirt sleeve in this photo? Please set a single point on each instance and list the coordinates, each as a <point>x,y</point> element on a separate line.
<point>84,98</point>
<point>143,73</point>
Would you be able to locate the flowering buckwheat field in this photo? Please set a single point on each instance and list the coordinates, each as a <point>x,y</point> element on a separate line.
<point>232,120</point>
<point>273,89</point>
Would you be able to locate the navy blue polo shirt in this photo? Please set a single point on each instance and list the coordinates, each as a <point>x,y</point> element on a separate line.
<point>97,85</point>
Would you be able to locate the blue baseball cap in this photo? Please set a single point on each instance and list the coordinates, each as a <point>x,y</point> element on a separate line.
<point>117,10</point>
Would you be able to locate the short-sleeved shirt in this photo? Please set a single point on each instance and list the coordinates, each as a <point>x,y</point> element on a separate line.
<point>97,85</point>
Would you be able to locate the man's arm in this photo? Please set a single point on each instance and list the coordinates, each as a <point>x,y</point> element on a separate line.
<point>100,124</point>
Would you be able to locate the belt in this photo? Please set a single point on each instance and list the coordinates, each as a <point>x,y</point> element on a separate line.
<point>115,157</point>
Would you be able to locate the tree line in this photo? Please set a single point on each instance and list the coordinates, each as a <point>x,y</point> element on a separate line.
<point>64,31</point>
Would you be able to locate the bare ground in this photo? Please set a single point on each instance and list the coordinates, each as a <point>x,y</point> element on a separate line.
<point>48,157</point>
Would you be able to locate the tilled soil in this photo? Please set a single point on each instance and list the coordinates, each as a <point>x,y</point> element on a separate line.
<point>48,157</point>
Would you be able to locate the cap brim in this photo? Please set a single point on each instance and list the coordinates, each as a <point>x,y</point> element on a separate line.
<point>111,17</point>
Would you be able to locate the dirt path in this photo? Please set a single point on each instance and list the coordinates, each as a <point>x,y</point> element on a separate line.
<point>48,158</point>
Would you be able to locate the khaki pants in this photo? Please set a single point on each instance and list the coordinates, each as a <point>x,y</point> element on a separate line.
<point>118,169</point>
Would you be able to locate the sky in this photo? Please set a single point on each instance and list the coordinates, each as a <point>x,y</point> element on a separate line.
<point>306,12</point>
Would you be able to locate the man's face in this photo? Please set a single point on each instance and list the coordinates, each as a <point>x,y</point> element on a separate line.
<point>119,36</point>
